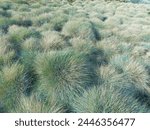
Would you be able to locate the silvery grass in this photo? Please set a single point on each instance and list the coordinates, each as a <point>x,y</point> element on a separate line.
<point>102,99</point>
<point>63,72</point>
<point>10,85</point>
<point>33,104</point>
<point>80,28</point>
<point>61,50</point>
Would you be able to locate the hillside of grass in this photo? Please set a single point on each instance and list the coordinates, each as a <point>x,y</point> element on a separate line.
<point>90,56</point>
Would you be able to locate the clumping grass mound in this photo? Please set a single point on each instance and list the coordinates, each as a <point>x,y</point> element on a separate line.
<point>74,56</point>
<point>53,41</point>
<point>80,28</point>
<point>5,23</point>
<point>10,85</point>
<point>63,72</point>
<point>31,44</point>
<point>58,21</point>
<point>106,100</point>
<point>18,34</point>
<point>6,53</point>
<point>132,71</point>
<point>34,105</point>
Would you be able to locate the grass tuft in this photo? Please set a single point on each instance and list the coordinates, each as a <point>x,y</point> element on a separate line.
<point>62,72</point>
<point>10,85</point>
<point>33,104</point>
<point>106,100</point>
<point>79,28</point>
<point>53,41</point>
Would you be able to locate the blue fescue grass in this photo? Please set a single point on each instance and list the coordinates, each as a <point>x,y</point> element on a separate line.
<point>80,28</point>
<point>74,56</point>
<point>63,72</point>
<point>10,85</point>
<point>33,104</point>
<point>102,99</point>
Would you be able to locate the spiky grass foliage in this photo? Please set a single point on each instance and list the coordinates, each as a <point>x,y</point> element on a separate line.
<point>5,23</point>
<point>33,104</point>
<point>63,72</point>
<point>133,72</point>
<point>70,57</point>
<point>10,85</point>
<point>139,51</point>
<point>98,23</point>
<point>42,19</point>
<point>30,48</point>
<point>31,44</point>
<point>94,54</point>
<point>109,49</point>
<point>106,100</point>
<point>82,45</point>
<point>58,21</point>
<point>6,53</point>
<point>80,28</point>
<point>53,41</point>
<point>124,47</point>
<point>62,69</point>
<point>113,46</point>
<point>27,58</point>
<point>108,76</point>
<point>17,35</point>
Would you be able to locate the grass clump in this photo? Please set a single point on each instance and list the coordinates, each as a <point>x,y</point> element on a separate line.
<point>74,56</point>
<point>107,75</point>
<point>53,41</point>
<point>64,73</point>
<point>33,104</point>
<point>42,19</point>
<point>6,53</point>
<point>31,44</point>
<point>106,100</point>
<point>62,69</point>
<point>58,21</point>
<point>80,28</point>
<point>132,71</point>
<point>10,85</point>
<point>5,23</point>
<point>18,34</point>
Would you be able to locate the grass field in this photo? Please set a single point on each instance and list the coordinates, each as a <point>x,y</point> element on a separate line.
<point>74,56</point>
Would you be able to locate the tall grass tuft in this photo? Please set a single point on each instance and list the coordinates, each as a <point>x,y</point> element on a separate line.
<point>80,28</point>
<point>10,85</point>
<point>53,41</point>
<point>63,72</point>
<point>32,104</point>
<point>106,100</point>
<point>6,53</point>
<point>132,71</point>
